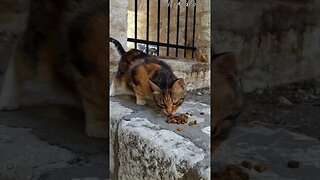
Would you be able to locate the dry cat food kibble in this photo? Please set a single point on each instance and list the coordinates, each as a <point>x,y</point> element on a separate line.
<point>191,123</point>
<point>260,168</point>
<point>179,129</point>
<point>246,164</point>
<point>231,171</point>
<point>293,164</point>
<point>181,119</point>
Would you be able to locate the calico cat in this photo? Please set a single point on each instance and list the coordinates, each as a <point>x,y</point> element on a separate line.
<point>64,47</point>
<point>148,77</point>
<point>227,96</point>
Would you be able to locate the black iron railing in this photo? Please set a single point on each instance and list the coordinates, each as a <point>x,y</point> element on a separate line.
<point>157,44</point>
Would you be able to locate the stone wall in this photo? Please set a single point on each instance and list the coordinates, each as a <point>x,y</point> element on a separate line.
<point>202,30</point>
<point>275,41</point>
<point>13,16</point>
<point>118,27</point>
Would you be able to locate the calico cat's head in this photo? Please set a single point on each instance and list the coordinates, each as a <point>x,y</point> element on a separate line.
<point>169,99</point>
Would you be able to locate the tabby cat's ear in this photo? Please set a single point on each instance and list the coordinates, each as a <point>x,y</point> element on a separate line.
<point>155,89</point>
<point>179,84</point>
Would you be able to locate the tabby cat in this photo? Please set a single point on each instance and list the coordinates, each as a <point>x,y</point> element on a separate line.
<point>148,77</point>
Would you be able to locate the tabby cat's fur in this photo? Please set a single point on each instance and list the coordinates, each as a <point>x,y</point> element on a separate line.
<point>148,77</point>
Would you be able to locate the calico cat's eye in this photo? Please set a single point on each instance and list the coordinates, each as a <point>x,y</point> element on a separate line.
<point>179,102</point>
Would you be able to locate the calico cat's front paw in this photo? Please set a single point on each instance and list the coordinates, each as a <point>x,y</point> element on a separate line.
<point>97,129</point>
<point>141,102</point>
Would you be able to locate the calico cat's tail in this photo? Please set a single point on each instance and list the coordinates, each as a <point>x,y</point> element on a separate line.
<point>118,45</point>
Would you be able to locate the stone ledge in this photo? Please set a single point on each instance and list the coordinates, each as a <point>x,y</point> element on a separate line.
<point>144,146</point>
<point>195,74</point>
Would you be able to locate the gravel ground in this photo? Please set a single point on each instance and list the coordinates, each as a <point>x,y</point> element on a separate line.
<point>294,107</point>
<point>200,95</point>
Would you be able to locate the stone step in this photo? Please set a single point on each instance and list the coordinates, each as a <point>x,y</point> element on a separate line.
<point>144,146</point>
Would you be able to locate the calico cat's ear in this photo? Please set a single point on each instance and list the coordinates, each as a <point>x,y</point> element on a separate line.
<point>179,84</point>
<point>155,89</point>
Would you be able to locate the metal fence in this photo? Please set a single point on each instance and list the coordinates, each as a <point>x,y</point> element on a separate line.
<point>155,45</point>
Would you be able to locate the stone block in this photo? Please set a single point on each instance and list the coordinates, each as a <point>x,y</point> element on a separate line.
<point>146,147</point>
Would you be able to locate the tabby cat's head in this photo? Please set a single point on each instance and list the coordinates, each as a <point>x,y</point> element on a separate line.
<point>169,99</point>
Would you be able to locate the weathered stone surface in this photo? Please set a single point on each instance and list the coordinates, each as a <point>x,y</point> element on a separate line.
<point>275,42</point>
<point>118,27</point>
<point>274,148</point>
<point>146,147</point>
<point>161,153</point>
<point>48,140</point>
<point>118,111</point>
<point>37,156</point>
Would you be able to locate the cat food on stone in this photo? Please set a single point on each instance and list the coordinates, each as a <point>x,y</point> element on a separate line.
<point>193,122</point>
<point>179,129</point>
<point>246,164</point>
<point>293,164</point>
<point>231,171</point>
<point>260,168</point>
<point>181,119</point>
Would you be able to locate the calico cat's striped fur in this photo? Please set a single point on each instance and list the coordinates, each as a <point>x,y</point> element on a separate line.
<point>147,76</point>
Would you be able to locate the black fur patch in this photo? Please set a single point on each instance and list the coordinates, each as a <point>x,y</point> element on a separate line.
<point>164,77</point>
<point>118,45</point>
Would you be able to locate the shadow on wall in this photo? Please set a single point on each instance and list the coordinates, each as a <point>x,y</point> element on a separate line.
<point>275,42</point>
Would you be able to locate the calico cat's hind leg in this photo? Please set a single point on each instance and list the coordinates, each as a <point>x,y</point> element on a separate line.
<point>10,92</point>
<point>140,95</point>
<point>119,87</point>
<point>94,100</point>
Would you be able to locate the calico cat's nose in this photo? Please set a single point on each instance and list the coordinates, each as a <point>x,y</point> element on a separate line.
<point>169,111</point>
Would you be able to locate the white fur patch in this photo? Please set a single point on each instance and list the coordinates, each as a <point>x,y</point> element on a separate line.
<point>118,91</point>
<point>141,102</point>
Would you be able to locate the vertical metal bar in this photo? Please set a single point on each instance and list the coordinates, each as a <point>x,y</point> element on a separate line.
<point>186,30</point>
<point>194,24</point>
<point>177,39</point>
<point>168,32</point>
<point>135,22</point>
<point>158,33</point>
<point>147,26</point>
